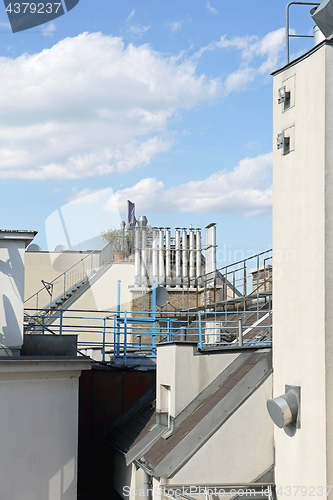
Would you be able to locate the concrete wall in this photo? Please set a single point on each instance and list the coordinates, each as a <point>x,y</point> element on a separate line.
<point>186,375</point>
<point>46,266</point>
<point>239,452</point>
<point>102,294</point>
<point>303,270</point>
<point>39,418</point>
<point>12,253</point>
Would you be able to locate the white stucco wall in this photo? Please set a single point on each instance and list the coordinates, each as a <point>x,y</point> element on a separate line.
<point>127,479</point>
<point>103,293</point>
<point>39,419</point>
<point>12,253</point>
<point>303,271</point>
<point>186,375</point>
<point>239,452</point>
<point>47,266</point>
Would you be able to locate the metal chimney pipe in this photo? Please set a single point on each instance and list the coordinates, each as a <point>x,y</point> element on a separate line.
<point>161,257</point>
<point>184,247</point>
<point>137,256</point>
<point>198,245</point>
<point>155,275</point>
<point>192,257</point>
<point>144,255</point>
<point>167,256</point>
<point>177,245</point>
<point>208,252</point>
<point>213,243</point>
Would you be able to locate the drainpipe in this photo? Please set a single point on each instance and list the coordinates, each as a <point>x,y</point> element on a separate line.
<point>184,246</point>
<point>167,256</point>
<point>192,257</point>
<point>198,242</point>
<point>161,252</point>
<point>178,275</point>
<point>137,257</point>
<point>154,255</point>
<point>147,486</point>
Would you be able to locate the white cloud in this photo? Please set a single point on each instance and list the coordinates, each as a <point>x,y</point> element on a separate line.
<point>137,30</point>
<point>245,190</point>
<point>211,9</point>
<point>131,15</point>
<point>90,106</point>
<point>49,29</point>
<point>259,57</point>
<point>175,26</point>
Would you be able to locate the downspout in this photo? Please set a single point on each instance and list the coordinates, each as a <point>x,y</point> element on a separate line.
<point>147,486</point>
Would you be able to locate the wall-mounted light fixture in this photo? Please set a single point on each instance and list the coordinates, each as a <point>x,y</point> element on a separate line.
<point>285,410</point>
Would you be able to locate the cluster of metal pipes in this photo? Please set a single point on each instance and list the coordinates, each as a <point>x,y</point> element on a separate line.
<point>187,256</point>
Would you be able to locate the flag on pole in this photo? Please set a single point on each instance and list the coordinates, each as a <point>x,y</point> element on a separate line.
<point>130,223</point>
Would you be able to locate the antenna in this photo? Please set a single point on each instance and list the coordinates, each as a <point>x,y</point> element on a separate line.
<point>323,17</point>
<point>48,287</point>
<point>162,296</point>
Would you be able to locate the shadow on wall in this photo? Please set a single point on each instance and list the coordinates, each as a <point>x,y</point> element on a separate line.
<point>11,334</point>
<point>7,267</point>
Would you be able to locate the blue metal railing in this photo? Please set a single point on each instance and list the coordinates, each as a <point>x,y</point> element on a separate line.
<point>123,334</point>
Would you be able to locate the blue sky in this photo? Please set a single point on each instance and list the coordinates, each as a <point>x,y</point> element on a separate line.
<point>166,103</point>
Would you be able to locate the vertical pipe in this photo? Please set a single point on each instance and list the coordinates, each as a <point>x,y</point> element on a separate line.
<point>153,338</point>
<point>192,257</point>
<point>125,338</point>
<point>118,317</point>
<point>240,332</point>
<point>144,256</point>
<point>184,248</point>
<point>103,350</point>
<point>208,252</point>
<point>198,260</point>
<point>137,257</point>
<point>287,33</point>
<point>167,256</point>
<point>155,275</point>
<point>200,330</point>
<point>213,254</point>
<point>60,325</point>
<point>177,245</point>
<point>146,486</point>
<point>115,349</point>
<point>161,257</point>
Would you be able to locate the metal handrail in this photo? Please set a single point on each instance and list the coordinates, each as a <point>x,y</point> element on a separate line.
<point>287,26</point>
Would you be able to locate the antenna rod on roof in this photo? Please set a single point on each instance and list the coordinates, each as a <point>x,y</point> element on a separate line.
<point>287,25</point>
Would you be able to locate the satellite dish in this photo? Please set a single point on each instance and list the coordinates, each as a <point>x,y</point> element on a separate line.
<point>323,17</point>
<point>59,248</point>
<point>34,248</point>
<point>162,296</point>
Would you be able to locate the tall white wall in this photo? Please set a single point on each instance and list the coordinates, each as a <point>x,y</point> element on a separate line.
<point>186,374</point>
<point>12,253</point>
<point>239,451</point>
<point>303,269</point>
<point>39,419</point>
<point>46,266</point>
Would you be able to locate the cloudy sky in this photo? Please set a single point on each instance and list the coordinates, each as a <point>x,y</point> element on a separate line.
<point>165,103</point>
